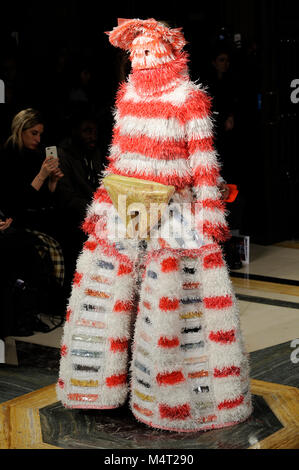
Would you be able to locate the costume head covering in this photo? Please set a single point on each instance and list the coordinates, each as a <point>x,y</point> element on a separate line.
<point>149,42</point>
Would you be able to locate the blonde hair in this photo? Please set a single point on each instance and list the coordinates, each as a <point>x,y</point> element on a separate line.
<point>25,119</point>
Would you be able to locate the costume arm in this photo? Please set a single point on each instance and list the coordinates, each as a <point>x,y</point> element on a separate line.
<point>205,167</point>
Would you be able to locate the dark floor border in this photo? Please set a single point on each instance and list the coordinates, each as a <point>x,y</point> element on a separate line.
<point>258,277</point>
<point>264,300</point>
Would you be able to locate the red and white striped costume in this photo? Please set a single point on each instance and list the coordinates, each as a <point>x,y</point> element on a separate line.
<point>189,370</point>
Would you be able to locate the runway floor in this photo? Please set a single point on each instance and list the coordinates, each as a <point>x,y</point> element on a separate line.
<point>267,289</point>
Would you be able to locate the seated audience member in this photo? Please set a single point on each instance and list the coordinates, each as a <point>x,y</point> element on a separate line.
<point>28,181</point>
<point>81,162</point>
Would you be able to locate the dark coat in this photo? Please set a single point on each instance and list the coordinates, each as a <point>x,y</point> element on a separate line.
<point>18,199</point>
<point>75,190</point>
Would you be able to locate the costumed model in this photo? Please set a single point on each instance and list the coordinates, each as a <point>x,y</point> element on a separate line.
<point>157,319</point>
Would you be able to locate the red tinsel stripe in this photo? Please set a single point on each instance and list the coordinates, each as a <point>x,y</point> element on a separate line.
<point>63,350</point>
<point>77,278</point>
<point>143,411</point>
<point>124,269</point>
<point>89,224</point>
<point>68,314</point>
<point>118,344</point>
<point>205,176</point>
<point>61,383</point>
<point>219,232</point>
<point>165,342</point>
<point>219,302</point>
<point>228,404</point>
<point>123,306</point>
<point>201,145</point>
<point>213,204</point>
<point>169,149</point>
<point>169,304</point>
<point>169,265</point>
<point>214,260</point>
<point>224,337</point>
<point>152,109</point>
<point>171,378</point>
<point>101,195</point>
<point>227,371</point>
<point>180,412</point>
<point>90,245</point>
<point>115,380</point>
<point>198,105</point>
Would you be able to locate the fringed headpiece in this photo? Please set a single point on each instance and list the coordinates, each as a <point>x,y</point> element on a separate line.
<point>149,42</point>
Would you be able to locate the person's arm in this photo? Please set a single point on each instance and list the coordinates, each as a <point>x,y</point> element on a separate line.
<point>49,165</point>
<point>205,168</point>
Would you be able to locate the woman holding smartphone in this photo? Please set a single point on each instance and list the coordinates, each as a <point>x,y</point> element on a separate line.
<point>28,180</point>
<point>28,177</point>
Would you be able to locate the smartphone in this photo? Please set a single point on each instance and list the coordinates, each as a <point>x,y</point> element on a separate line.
<point>51,152</point>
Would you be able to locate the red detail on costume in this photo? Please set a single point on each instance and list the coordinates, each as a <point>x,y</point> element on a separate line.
<point>214,260</point>
<point>118,345</point>
<point>169,264</point>
<point>169,304</point>
<point>123,306</point>
<point>101,195</point>
<point>89,224</point>
<point>204,176</point>
<point>227,371</point>
<point>90,245</point>
<point>218,302</point>
<point>170,378</point>
<point>152,109</point>
<point>68,314</point>
<point>152,81</point>
<point>191,285</point>
<point>213,204</point>
<point>143,411</point>
<point>180,412</point>
<point>201,145</point>
<point>228,404</point>
<point>167,149</point>
<point>63,350</point>
<point>147,305</point>
<point>219,232</point>
<point>163,243</point>
<point>124,269</point>
<point>61,383</point>
<point>115,380</point>
<point>198,105</point>
<point>223,337</point>
<point>165,342</point>
<point>77,278</point>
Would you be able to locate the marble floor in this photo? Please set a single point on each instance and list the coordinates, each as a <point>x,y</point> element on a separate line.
<point>268,295</point>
